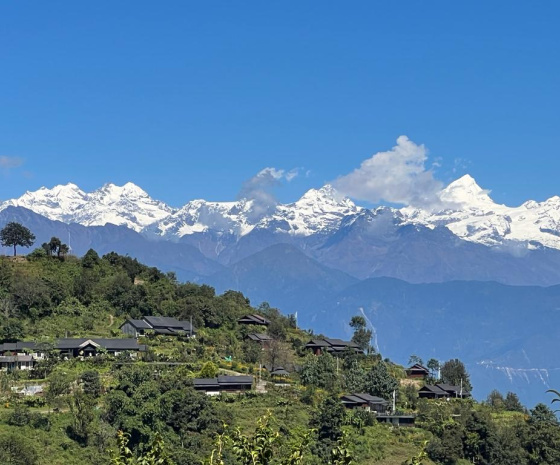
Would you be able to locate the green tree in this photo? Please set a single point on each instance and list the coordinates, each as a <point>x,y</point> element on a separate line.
<point>496,400</point>
<point>542,437</point>
<point>434,366</point>
<point>379,381</point>
<point>17,450</point>
<point>59,385</point>
<point>208,370</point>
<point>63,250</point>
<point>54,245</point>
<point>362,335</point>
<point>454,372</point>
<point>12,331</point>
<point>319,371</point>
<point>90,259</point>
<point>329,419</point>
<point>512,403</point>
<point>82,414</point>
<point>15,234</point>
<point>354,378</point>
<point>91,383</point>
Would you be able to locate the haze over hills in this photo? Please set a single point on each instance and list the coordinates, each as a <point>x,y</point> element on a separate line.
<point>327,259</point>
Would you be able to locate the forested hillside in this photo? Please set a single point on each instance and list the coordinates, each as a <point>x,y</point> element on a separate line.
<point>122,409</point>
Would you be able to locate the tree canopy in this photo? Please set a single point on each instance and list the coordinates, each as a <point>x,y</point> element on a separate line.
<point>15,234</point>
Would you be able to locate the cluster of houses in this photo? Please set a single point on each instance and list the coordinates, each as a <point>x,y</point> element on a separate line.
<point>24,355</point>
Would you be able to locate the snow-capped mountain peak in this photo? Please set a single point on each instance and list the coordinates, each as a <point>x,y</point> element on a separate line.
<point>57,203</point>
<point>317,211</point>
<point>126,205</point>
<point>465,192</point>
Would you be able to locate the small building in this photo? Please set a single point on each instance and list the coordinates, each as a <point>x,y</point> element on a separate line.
<point>159,325</point>
<point>417,371</point>
<point>83,347</point>
<point>454,391</point>
<point>442,391</point>
<point>213,386</point>
<point>209,385</point>
<point>135,328</point>
<point>431,392</point>
<point>253,320</point>
<point>367,402</point>
<point>332,346</point>
<point>279,372</point>
<point>16,362</point>
<point>263,339</point>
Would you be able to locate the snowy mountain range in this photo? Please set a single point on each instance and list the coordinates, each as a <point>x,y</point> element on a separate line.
<point>466,210</point>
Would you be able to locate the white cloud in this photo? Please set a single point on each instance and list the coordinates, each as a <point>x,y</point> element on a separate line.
<point>398,176</point>
<point>260,189</point>
<point>7,163</point>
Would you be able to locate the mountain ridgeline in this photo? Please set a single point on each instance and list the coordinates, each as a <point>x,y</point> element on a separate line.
<point>468,280</point>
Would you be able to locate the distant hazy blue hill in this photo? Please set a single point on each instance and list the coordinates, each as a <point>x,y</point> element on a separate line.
<point>507,335</point>
<point>376,245</point>
<point>283,274</point>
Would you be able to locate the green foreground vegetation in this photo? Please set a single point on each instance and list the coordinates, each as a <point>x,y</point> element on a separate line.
<point>118,410</point>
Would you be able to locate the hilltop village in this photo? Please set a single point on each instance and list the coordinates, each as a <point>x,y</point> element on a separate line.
<point>105,360</point>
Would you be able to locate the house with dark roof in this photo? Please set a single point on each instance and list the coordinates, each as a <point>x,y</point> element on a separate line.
<point>332,346</point>
<point>259,337</point>
<point>213,386</point>
<point>159,325</point>
<point>431,392</point>
<point>366,401</point>
<point>417,371</point>
<point>135,328</point>
<point>279,372</point>
<point>84,347</point>
<point>442,391</point>
<point>253,320</point>
<point>263,339</point>
<point>16,362</point>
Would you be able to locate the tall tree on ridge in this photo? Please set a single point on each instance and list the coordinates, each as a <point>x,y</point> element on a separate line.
<point>14,234</point>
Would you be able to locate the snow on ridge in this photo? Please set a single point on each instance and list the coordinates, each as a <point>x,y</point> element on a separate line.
<point>467,210</point>
<point>475,217</point>
<point>126,205</point>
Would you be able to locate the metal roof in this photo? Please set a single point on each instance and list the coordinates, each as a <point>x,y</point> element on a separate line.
<point>254,319</point>
<point>235,380</point>
<point>434,389</point>
<point>371,399</point>
<point>138,324</point>
<point>260,337</point>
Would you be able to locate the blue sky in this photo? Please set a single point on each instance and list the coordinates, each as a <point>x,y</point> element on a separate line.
<point>191,99</point>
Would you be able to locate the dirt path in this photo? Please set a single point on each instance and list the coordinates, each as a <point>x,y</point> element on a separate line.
<point>111,320</point>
